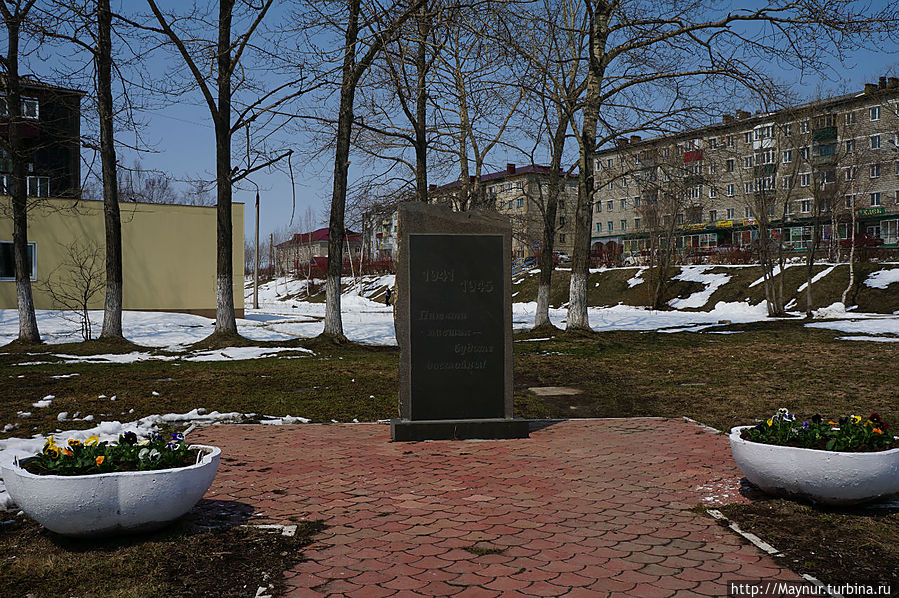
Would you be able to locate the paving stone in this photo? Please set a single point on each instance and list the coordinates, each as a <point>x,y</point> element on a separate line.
<point>607,516</point>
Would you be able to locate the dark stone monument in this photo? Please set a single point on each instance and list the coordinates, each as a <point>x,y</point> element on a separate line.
<point>454,326</point>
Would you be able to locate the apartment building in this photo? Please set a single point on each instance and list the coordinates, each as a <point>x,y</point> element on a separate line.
<point>519,193</point>
<point>816,164</point>
<point>310,248</point>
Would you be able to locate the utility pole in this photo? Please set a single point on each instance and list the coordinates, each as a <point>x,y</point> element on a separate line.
<point>256,268</point>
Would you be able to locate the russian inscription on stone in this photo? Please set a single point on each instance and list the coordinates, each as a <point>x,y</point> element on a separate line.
<point>456,326</point>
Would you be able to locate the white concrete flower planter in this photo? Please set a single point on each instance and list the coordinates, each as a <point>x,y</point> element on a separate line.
<point>109,503</point>
<point>828,477</point>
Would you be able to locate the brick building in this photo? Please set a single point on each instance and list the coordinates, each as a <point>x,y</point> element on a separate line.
<point>805,166</point>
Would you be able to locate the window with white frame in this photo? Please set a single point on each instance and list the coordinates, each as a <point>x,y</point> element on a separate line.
<point>30,108</point>
<point>623,202</point>
<point>636,224</point>
<point>747,212</point>
<point>519,202</point>
<point>38,186</point>
<point>747,137</point>
<point>747,187</point>
<point>850,172</point>
<point>731,162</point>
<point>804,126</point>
<point>713,142</point>
<point>806,152</point>
<point>637,201</point>
<point>788,129</point>
<point>598,207</point>
<point>730,141</point>
<point>805,206</point>
<point>730,189</point>
<point>849,118</point>
<point>693,192</point>
<point>713,167</point>
<point>875,141</point>
<point>875,112</point>
<point>875,171</point>
<point>609,226</point>
<point>786,181</point>
<point>849,200</point>
<point>765,157</point>
<point>787,156</point>
<point>747,161</point>
<point>611,185</point>
<point>624,225</point>
<point>599,227</point>
<point>8,263</point>
<point>896,197</point>
<point>713,215</point>
<point>731,213</point>
<point>875,199</point>
<point>805,179</point>
<point>850,145</point>
<point>713,192</point>
<point>610,205</point>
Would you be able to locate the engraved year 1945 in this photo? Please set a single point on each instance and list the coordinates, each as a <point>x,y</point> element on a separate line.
<point>477,286</point>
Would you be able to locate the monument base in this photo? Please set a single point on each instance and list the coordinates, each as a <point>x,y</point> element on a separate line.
<point>405,430</point>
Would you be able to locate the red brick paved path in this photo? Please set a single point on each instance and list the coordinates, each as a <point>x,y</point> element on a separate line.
<point>582,508</point>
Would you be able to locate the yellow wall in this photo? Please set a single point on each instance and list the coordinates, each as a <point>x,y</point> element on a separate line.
<point>168,259</point>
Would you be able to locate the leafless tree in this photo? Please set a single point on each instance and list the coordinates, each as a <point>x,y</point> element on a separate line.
<point>76,281</point>
<point>15,14</point>
<point>230,74</point>
<point>639,44</point>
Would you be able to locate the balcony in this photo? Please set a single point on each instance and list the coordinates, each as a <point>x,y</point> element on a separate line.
<point>824,134</point>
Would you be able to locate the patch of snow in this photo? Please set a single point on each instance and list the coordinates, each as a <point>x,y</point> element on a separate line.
<point>699,274</point>
<point>866,326</point>
<point>636,278</point>
<point>774,272</point>
<point>23,414</point>
<point>876,339</point>
<point>61,376</point>
<point>816,277</point>
<point>286,420</point>
<point>45,402</point>
<point>882,278</point>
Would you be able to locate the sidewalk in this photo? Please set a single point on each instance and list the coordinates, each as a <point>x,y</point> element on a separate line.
<point>582,508</point>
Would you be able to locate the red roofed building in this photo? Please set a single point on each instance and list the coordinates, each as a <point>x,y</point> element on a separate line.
<point>303,249</point>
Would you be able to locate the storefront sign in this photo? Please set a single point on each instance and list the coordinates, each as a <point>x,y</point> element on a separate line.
<point>725,224</point>
<point>872,211</point>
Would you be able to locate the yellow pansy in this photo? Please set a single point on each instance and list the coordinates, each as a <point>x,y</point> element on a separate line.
<point>92,441</point>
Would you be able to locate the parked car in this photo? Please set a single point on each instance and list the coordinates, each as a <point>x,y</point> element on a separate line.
<point>561,257</point>
<point>862,240</point>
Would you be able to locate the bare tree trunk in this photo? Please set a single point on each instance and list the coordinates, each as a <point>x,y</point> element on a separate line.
<point>583,217</point>
<point>333,321</point>
<point>225,322</point>
<point>421,114</point>
<point>112,310</point>
<point>844,297</point>
<point>555,185</point>
<point>28,331</point>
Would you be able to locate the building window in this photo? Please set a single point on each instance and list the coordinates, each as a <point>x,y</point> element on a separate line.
<point>624,225</point>
<point>786,181</point>
<point>747,162</point>
<point>850,146</point>
<point>598,207</point>
<point>611,185</point>
<point>875,141</point>
<point>561,237</point>
<point>8,264</point>
<point>747,187</point>
<point>38,186</point>
<point>519,202</point>
<point>730,141</point>
<point>713,142</point>
<point>875,112</point>
<point>827,149</point>
<point>610,205</point>
<point>747,212</point>
<point>875,171</point>
<point>805,206</point>
<point>804,126</point>
<point>788,156</point>
<point>806,152</point>
<point>561,220</point>
<point>731,213</point>
<point>609,226</point>
<point>897,197</point>
<point>849,173</point>
<point>624,204</point>
<point>849,200</point>
<point>713,167</point>
<point>875,199</point>
<point>747,136</point>
<point>731,161</point>
<point>599,227</point>
<point>713,192</point>
<point>30,108</point>
<point>789,207</point>
<point>713,215</point>
<point>788,129</point>
<point>637,222</point>
<point>637,202</point>
<point>730,189</point>
<point>805,179</point>
<point>849,118</point>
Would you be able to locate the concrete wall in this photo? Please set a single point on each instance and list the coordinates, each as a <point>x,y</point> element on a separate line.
<point>168,252</point>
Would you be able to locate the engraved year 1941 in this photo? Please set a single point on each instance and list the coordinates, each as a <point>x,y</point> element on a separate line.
<point>434,275</point>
